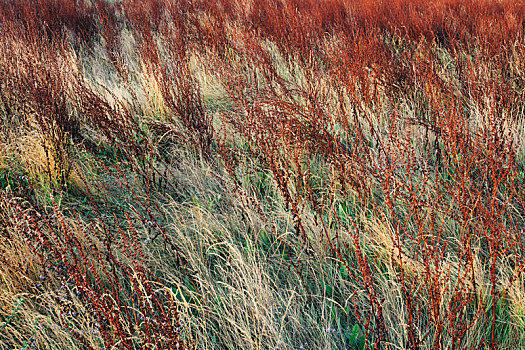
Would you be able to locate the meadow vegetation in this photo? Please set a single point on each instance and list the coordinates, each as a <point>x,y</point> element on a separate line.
<point>262,174</point>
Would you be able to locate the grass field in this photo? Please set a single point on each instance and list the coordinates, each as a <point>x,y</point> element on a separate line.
<point>262,174</point>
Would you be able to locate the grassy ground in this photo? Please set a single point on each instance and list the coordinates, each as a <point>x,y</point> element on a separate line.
<point>261,175</point>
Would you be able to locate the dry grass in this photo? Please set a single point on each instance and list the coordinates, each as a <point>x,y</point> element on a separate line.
<point>260,175</point>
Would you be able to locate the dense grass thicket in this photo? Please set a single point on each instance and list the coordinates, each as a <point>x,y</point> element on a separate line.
<point>262,174</point>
